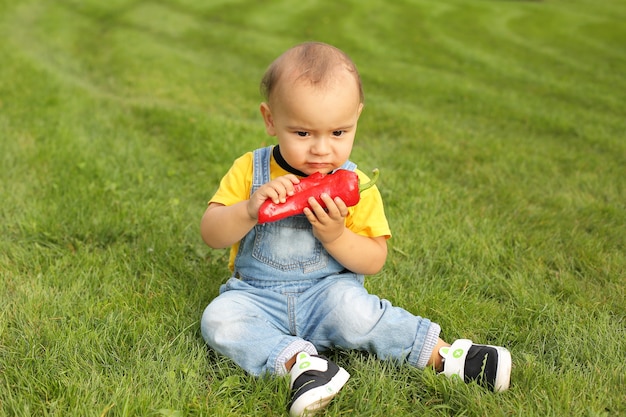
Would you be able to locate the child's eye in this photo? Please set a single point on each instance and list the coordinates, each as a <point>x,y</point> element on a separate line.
<point>338,132</point>
<point>302,134</point>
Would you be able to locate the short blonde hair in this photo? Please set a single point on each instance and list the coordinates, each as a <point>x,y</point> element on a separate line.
<point>313,61</point>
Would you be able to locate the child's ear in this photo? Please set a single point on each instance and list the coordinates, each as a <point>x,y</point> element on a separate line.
<point>268,119</point>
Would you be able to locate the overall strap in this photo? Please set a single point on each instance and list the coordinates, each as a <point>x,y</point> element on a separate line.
<point>349,165</point>
<point>260,167</point>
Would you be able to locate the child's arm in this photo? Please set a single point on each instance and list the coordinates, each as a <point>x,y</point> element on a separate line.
<point>223,226</point>
<point>360,254</point>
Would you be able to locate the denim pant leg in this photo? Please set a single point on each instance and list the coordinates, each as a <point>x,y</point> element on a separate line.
<point>340,313</point>
<point>250,326</point>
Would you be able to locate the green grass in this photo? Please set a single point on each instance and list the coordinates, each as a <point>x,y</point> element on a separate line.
<point>499,129</point>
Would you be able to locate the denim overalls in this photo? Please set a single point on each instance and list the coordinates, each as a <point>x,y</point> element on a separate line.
<point>288,295</point>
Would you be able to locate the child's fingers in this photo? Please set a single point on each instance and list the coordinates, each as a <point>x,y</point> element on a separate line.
<point>335,208</point>
<point>321,212</point>
<point>316,208</point>
<point>292,178</point>
<point>341,206</point>
<point>287,183</point>
<point>278,189</point>
<point>308,213</point>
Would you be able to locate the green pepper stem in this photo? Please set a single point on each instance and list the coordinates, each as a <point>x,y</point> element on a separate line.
<point>372,181</point>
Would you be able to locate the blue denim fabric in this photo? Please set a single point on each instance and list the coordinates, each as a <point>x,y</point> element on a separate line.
<point>285,250</point>
<point>289,295</point>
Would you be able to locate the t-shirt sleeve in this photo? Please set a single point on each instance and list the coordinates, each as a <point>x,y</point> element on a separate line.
<point>368,218</point>
<point>236,184</point>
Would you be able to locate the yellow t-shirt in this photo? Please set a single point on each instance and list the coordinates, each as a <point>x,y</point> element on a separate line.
<point>367,218</point>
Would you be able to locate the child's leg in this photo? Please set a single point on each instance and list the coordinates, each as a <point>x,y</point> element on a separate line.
<point>250,326</point>
<point>339,312</point>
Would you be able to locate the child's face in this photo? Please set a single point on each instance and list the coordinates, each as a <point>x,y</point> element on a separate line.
<point>315,126</point>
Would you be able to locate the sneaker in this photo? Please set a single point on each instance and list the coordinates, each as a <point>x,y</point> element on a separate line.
<point>314,382</point>
<point>489,366</point>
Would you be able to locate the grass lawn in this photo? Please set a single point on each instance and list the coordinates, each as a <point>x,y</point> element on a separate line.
<point>499,128</point>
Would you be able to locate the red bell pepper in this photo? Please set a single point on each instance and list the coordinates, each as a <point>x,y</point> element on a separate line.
<point>341,183</point>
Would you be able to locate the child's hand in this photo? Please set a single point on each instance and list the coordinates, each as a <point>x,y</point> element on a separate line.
<point>276,190</point>
<point>328,224</point>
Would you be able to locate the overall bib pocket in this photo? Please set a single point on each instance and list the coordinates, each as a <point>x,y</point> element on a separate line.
<point>289,245</point>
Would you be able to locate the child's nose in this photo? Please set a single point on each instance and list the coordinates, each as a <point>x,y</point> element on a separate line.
<point>321,146</point>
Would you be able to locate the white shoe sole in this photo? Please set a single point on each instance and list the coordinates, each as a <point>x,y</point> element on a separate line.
<point>503,376</point>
